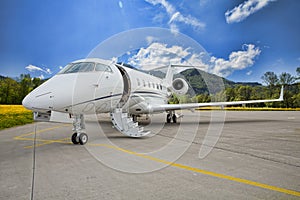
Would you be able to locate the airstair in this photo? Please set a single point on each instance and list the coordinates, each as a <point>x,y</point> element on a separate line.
<point>125,124</point>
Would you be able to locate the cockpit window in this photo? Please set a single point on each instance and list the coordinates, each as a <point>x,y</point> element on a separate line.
<point>102,67</point>
<point>78,67</point>
<point>85,67</point>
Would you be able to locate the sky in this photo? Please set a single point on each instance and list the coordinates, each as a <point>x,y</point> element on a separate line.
<point>243,39</point>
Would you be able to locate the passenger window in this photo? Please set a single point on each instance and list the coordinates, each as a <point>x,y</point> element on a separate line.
<point>149,84</point>
<point>144,83</point>
<point>153,85</point>
<point>138,82</point>
<point>103,68</point>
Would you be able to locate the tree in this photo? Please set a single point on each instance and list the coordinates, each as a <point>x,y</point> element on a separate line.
<point>244,93</point>
<point>25,84</point>
<point>9,91</point>
<point>36,82</point>
<point>270,78</point>
<point>296,100</point>
<point>230,94</point>
<point>286,79</point>
<point>201,98</point>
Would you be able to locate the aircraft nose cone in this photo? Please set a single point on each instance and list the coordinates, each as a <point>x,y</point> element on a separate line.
<point>27,102</point>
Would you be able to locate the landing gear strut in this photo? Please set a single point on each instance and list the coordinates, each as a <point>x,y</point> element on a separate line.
<point>79,137</point>
<point>171,116</point>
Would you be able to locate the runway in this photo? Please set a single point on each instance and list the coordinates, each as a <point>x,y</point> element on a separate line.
<point>208,155</point>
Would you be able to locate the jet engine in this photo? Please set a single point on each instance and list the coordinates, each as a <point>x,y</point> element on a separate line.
<point>180,86</point>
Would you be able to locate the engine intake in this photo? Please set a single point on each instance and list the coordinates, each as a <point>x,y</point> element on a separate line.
<point>180,86</point>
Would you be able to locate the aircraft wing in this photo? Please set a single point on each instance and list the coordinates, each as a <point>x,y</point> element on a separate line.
<point>168,107</point>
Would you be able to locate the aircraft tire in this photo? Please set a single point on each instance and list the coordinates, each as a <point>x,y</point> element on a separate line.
<point>83,138</point>
<point>174,118</point>
<point>74,139</point>
<point>168,118</point>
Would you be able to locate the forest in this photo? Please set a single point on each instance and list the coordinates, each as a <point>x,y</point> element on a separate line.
<point>12,91</point>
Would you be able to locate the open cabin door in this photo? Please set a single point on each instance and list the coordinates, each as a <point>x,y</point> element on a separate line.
<point>126,88</point>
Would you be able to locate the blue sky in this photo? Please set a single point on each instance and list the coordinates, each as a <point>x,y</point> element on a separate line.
<point>244,39</point>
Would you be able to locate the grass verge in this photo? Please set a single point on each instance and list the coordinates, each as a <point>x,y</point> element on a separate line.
<point>14,115</point>
<point>249,109</point>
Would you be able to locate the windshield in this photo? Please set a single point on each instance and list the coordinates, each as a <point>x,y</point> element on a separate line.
<point>84,67</point>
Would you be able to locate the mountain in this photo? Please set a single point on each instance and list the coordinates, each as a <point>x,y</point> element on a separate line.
<point>199,80</point>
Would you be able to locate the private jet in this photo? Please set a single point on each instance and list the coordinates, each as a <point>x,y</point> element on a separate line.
<point>93,85</point>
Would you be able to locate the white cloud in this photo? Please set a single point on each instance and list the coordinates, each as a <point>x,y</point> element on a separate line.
<point>41,76</point>
<point>175,16</point>
<point>33,68</point>
<point>151,39</point>
<point>204,2</point>
<point>237,60</point>
<point>120,4</point>
<point>48,71</point>
<point>158,55</point>
<point>249,73</point>
<point>241,12</point>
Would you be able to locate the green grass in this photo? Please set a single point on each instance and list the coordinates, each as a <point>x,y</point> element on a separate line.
<point>249,109</point>
<point>14,115</point>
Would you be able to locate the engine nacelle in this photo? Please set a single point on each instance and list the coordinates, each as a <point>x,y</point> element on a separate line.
<point>180,86</point>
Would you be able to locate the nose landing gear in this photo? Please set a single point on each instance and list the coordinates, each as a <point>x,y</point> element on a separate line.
<point>79,137</point>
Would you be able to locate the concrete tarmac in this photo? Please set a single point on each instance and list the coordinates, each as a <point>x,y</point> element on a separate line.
<point>244,155</point>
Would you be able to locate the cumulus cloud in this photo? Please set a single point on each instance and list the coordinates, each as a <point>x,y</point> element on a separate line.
<point>242,11</point>
<point>175,16</point>
<point>237,61</point>
<point>159,54</point>
<point>33,68</point>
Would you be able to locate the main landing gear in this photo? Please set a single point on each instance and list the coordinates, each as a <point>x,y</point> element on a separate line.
<point>79,137</point>
<point>171,116</point>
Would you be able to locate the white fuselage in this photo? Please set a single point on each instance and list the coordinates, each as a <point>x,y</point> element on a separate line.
<point>97,90</point>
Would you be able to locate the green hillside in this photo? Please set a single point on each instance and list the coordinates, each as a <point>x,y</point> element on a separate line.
<point>199,80</point>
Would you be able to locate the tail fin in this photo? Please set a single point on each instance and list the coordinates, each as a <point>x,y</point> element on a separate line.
<point>167,81</point>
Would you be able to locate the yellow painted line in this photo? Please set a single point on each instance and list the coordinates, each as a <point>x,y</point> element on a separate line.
<point>209,173</point>
<point>25,137</point>
<point>39,131</point>
<point>63,141</point>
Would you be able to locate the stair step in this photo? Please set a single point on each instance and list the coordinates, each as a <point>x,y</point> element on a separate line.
<point>125,124</point>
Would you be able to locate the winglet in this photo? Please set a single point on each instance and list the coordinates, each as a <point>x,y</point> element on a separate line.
<point>281,94</point>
